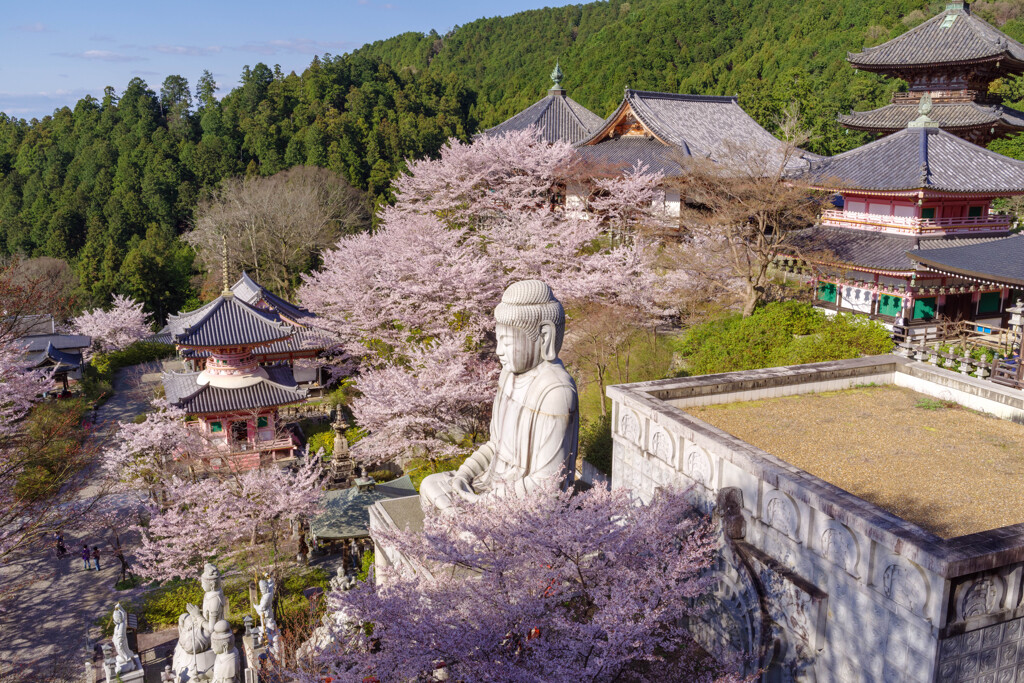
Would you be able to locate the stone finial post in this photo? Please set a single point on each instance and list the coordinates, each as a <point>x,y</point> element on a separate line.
<point>1016,324</point>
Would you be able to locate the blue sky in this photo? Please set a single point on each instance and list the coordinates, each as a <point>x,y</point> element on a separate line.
<point>54,52</point>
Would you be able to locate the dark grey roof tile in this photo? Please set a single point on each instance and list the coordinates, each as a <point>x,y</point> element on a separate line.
<point>950,115</point>
<point>225,321</point>
<point>279,388</point>
<point>1000,260</point>
<point>556,117</point>
<point>920,158</point>
<point>870,249</point>
<point>964,38</point>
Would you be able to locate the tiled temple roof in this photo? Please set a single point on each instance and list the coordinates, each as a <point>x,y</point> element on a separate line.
<point>954,35</point>
<point>623,152</point>
<point>920,158</point>
<point>1000,260</point>
<point>709,126</point>
<point>873,250</point>
<point>279,388</point>
<point>949,115</point>
<point>252,292</point>
<point>225,321</point>
<point>52,356</point>
<point>556,117</point>
<point>39,342</point>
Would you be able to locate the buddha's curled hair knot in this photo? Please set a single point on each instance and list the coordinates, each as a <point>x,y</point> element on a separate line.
<point>528,303</point>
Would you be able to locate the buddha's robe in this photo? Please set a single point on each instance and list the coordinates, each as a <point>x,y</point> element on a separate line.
<point>534,434</point>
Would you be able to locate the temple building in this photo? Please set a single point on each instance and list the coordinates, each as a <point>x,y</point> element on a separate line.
<point>239,378</point>
<point>921,190</point>
<point>557,117</point>
<point>954,57</point>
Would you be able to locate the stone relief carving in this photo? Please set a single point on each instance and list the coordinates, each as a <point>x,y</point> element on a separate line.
<point>840,547</point>
<point>662,445</point>
<point>629,427</point>
<point>697,465</point>
<point>981,596</point>
<point>780,513</point>
<point>905,585</point>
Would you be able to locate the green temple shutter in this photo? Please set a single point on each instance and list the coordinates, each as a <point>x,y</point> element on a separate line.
<point>989,302</point>
<point>261,421</point>
<point>890,305</point>
<point>924,309</point>
<point>216,427</point>
<point>928,213</point>
<point>974,211</point>
<point>827,292</point>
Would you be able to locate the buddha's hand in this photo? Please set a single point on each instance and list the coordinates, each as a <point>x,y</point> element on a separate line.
<point>461,486</point>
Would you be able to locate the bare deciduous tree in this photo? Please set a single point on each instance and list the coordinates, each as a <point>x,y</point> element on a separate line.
<point>746,206</point>
<point>276,227</point>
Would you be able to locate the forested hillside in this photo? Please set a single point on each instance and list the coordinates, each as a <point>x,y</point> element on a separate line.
<point>110,185</point>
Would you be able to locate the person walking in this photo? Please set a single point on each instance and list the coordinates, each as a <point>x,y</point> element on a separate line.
<point>96,556</point>
<point>85,555</point>
<point>62,549</point>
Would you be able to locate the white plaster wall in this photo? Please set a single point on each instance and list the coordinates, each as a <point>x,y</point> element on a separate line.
<point>856,299</point>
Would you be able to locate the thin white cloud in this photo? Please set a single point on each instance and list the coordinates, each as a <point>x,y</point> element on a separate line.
<point>187,50</point>
<point>101,38</point>
<point>301,46</point>
<point>102,56</point>
<point>35,27</point>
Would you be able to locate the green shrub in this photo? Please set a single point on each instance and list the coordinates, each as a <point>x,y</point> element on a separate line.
<point>322,439</point>
<point>779,333</point>
<point>383,475</point>
<point>596,442</point>
<point>419,469</point>
<point>364,569</point>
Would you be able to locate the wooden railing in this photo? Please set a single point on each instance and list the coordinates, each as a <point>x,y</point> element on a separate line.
<point>856,218</point>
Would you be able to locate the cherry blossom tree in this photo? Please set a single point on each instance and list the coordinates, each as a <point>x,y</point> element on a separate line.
<point>140,454</point>
<point>204,518</point>
<point>114,329</point>
<point>414,300</point>
<point>540,588</point>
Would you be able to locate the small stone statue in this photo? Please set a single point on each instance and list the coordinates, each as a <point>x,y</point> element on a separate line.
<point>167,676</point>
<point>535,420</point>
<point>265,609</point>
<point>225,666</point>
<point>125,658</point>
<point>192,655</point>
<point>214,602</point>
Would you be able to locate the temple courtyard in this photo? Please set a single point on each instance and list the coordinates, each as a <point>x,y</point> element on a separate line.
<point>896,448</point>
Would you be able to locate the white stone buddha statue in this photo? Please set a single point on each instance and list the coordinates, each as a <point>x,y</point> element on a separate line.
<point>535,419</point>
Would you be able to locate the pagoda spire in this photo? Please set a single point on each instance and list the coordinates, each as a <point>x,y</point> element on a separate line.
<point>556,76</point>
<point>224,267</point>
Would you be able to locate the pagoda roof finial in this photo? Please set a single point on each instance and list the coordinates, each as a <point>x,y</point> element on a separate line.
<point>924,108</point>
<point>224,266</point>
<point>556,76</point>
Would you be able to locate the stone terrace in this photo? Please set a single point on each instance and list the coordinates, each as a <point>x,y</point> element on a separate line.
<point>814,582</point>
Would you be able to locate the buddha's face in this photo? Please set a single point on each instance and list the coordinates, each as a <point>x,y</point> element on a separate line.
<point>518,353</point>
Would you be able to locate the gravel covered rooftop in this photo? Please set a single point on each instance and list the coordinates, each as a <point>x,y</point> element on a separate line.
<point>950,470</point>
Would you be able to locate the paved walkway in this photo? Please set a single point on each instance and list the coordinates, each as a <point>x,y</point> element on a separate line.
<point>49,622</point>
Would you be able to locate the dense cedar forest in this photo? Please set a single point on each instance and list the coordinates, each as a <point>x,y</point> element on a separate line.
<point>110,185</point>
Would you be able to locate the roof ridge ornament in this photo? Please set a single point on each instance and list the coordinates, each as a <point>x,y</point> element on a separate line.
<point>924,108</point>
<point>556,76</point>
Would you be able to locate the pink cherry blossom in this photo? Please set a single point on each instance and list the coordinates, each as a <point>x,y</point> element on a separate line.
<point>114,329</point>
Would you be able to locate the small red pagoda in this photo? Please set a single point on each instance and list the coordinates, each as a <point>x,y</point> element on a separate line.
<point>920,189</point>
<point>235,388</point>
<point>953,57</point>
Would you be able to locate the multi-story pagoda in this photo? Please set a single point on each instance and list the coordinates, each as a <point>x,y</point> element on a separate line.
<point>953,57</point>
<point>233,399</point>
<point>919,189</point>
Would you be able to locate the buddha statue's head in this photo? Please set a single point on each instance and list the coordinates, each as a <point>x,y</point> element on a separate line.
<point>222,639</point>
<point>530,325</point>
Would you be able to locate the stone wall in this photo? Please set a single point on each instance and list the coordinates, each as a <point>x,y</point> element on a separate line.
<point>814,583</point>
